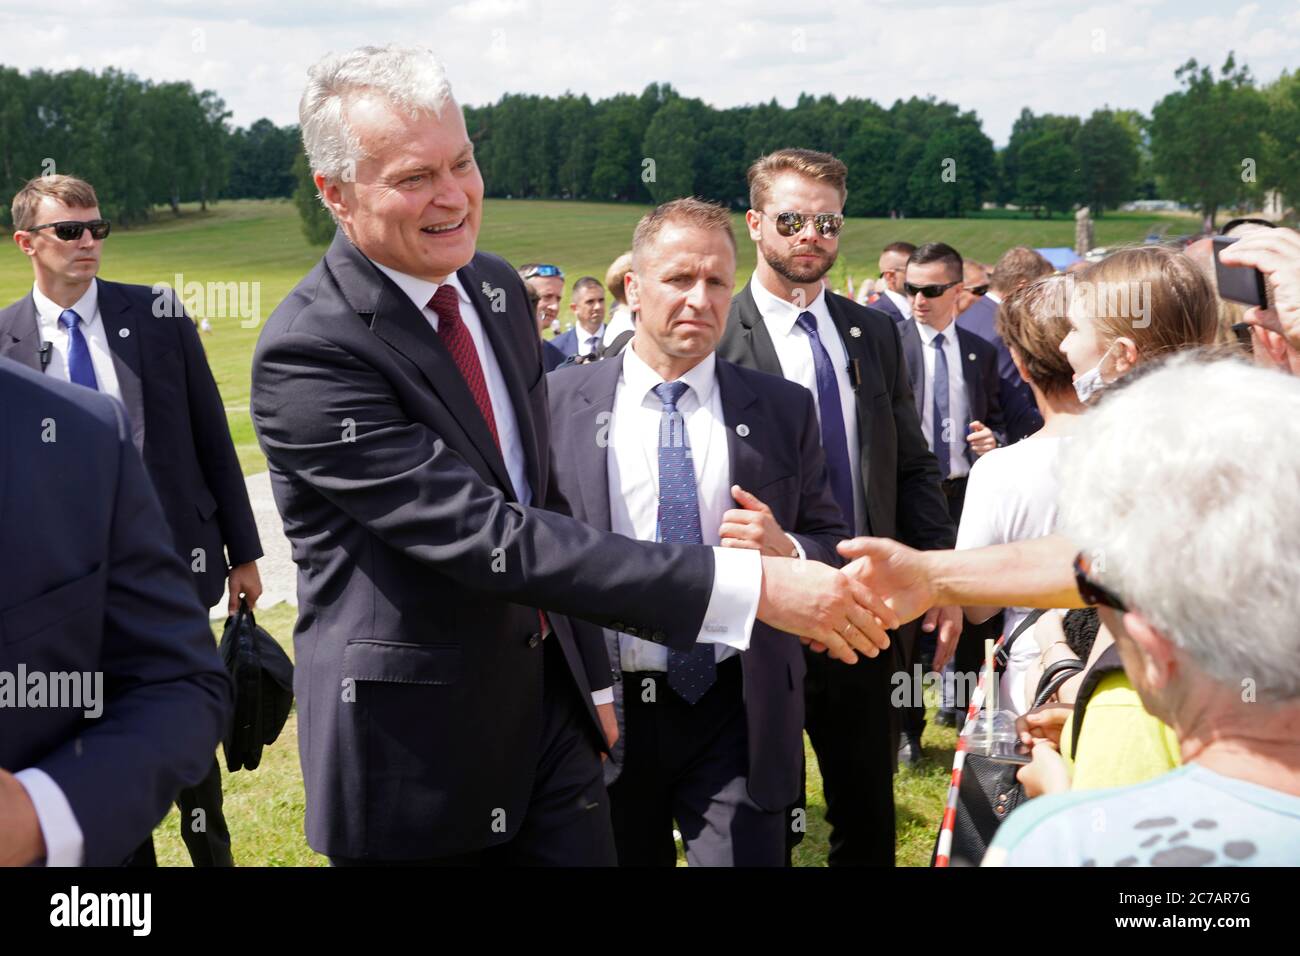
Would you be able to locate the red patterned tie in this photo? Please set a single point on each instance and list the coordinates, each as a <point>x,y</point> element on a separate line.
<point>454,335</point>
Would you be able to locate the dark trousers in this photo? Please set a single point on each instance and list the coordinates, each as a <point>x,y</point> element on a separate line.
<point>567,821</point>
<point>203,826</point>
<point>849,723</point>
<point>689,763</point>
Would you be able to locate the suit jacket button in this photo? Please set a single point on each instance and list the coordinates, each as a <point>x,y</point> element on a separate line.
<point>534,640</point>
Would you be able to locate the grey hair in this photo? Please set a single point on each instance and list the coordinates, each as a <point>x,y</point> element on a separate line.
<point>411,78</point>
<point>1181,487</point>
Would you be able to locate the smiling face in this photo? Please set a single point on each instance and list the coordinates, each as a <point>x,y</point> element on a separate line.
<point>550,290</point>
<point>60,264</point>
<point>417,200</point>
<point>681,283</point>
<point>806,256</point>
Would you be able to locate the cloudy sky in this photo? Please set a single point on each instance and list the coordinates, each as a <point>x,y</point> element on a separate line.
<point>1065,56</point>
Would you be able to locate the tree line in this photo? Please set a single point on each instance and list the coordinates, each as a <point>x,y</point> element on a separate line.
<point>1219,140</point>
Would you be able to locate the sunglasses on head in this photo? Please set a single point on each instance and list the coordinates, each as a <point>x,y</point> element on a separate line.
<point>70,229</point>
<point>1094,594</point>
<point>543,272</point>
<point>827,224</point>
<point>929,291</point>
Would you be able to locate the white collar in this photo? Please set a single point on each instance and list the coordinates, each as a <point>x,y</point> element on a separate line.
<point>87,306</point>
<point>782,314</point>
<point>929,334</point>
<point>420,291</point>
<point>994,296</point>
<point>903,303</point>
<point>639,378</point>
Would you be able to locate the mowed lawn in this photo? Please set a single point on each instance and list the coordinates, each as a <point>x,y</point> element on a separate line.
<point>260,244</point>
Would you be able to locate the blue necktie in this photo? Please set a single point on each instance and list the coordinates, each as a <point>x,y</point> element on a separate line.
<point>941,418</point>
<point>834,440</point>
<point>690,673</point>
<point>80,368</point>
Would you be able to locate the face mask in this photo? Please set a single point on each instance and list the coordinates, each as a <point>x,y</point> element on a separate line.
<point>1087,385</point>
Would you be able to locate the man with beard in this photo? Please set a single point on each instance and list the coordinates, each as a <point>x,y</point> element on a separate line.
<point>882,474</point>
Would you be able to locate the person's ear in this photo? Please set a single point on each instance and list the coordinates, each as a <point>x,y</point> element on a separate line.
<point>1159,660</point>
<point>23,239</point>
<point>1019,362</point>
<point>1126,355</point>
<point>754,221</point>
<point>632,291</point>
<point>332,195</point>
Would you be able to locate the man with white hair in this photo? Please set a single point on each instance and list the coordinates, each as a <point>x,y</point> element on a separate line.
<point>399,395</point>
<point>1186,514</point>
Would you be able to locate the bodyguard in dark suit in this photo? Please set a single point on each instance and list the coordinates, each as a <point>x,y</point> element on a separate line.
<point>721,758</point>
<point>92,591</point>
<point>399,394</point>
<point>1014,395</point>
<point>881,473</point>
<point>140,347</point>
<point>957,389</point>
<point>893,263</point>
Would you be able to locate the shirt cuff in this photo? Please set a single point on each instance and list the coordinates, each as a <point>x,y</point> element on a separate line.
<point>733,605</point>
<point>603,696</point>
<point>64,843</point>
<point>798,548</point>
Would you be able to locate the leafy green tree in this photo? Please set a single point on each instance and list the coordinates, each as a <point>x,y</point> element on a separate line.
<point>1108,161</point>
<point>317,223</point>
<point>670,145</point>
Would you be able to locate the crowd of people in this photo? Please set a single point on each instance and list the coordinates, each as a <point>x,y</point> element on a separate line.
<point>568,595</point>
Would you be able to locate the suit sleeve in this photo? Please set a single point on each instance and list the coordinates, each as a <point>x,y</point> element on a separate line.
<point>821,526</point>
<point>166,695</point>
<point>216,450</point>
<point>333,421</point>
<point>923,519</point>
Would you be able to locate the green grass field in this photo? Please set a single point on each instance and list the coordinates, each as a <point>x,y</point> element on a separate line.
<point>261,242</point>
<point>252,241</point>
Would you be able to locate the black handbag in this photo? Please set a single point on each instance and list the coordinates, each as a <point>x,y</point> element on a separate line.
<point>262,675</point>
<point>989,790</point>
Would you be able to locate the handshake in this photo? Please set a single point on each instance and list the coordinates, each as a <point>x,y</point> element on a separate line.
<point>846,611</point>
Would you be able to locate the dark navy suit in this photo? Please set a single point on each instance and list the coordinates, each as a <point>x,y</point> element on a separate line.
<point>92,584</point>
<point>774,451</point>
<point>1019,410</point>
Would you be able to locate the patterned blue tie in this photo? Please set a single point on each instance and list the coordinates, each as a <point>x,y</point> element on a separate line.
<point>834,440</point>
<point>941,418</point>
<point>690,673</point>
<point>80,368</point>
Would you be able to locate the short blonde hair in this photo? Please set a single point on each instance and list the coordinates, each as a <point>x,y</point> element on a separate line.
<point>822,167</point>
<point>615,274</point>
<point>1033,322</point>
<point>689,211</point>
<point>69,190</point>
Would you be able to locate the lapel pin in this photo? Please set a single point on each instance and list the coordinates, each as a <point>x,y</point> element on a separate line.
<point>742,430</point>
<point>855,331</point>
<point>971,356</point>
<point>123,333</point>
<point>487,289</point>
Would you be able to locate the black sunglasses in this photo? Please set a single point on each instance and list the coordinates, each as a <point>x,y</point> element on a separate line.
<point>1094,594</point>
<point>929,291</point>
<point>70,229</point>
<point>827,224</point>
<point>543,272</point>
<point>977,289</point>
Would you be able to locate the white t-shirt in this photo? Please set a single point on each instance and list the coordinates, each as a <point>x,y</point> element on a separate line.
<point>1011,496</point>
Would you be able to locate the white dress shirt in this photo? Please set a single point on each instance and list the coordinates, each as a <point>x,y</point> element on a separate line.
<point>958,406</point>
<point>903,302</point>
<point>59,338</point>
<point>588,340</point>
<point>65,845</point>
<point>794,351</point>
<point>632,464</point>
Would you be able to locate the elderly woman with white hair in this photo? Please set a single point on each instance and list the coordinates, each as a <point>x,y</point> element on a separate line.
<point>1192,505</point>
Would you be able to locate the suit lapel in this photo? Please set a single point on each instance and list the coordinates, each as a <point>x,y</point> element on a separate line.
<point>754,334</point>
<point>745,459</point>
<point>512,370</point>
<point>970,374</point>
<point>591,421</point>
<point>124,342</point>
<point>21,339</point>
<point>394,318</point>
<point>915,363</point>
